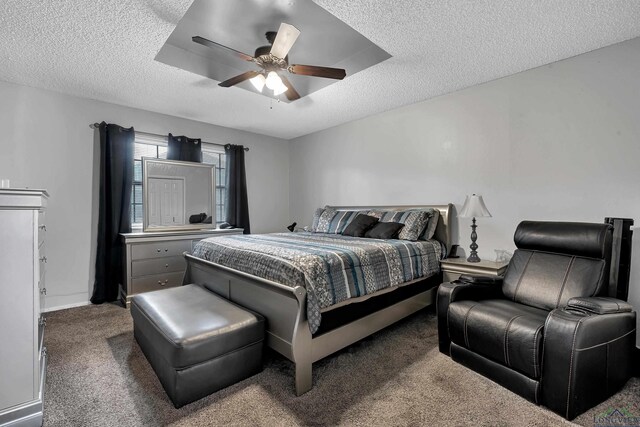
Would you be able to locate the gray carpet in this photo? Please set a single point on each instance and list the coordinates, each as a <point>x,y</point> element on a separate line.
<point>98,376</point>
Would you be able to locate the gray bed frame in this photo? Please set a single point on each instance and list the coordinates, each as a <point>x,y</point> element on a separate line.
<point>284,307</point>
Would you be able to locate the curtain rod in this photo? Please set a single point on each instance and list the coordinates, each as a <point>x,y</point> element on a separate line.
<point>97,125</point>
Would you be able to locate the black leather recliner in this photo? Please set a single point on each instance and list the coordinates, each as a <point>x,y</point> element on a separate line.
<point>545,331</point>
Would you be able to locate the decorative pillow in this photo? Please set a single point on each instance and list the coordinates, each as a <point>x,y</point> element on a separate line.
<point>414,222</point>
<point>384,230</point>
<point>325,215</point>
<point>316,219</point>
<point>360,224</point>
<point>432,224</point>
<point>341,220</point>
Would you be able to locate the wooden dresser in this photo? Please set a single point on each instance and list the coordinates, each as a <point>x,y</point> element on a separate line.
<point>154,260</point>
<point>23,358</point>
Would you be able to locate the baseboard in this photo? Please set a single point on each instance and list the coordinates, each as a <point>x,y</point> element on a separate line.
<point>65,306</point>
<point>636,366</point>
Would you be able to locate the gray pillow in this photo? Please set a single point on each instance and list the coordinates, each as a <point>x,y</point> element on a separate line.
<point>414,222</point>
<point>325,215</point>
<point>360,225</point>
<point>432,224</point>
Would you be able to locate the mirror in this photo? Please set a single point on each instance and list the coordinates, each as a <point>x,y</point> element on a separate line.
<point>177,195</point>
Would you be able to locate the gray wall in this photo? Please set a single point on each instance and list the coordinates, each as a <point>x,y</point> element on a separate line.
<point>46,143</point>
<point>560,142</point>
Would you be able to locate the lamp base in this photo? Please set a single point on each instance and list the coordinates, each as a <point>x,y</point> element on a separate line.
<point>473,257</point>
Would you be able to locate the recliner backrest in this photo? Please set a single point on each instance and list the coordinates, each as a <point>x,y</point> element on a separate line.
<point>556,261</point>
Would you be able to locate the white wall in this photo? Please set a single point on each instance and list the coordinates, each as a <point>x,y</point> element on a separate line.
<point>46,143</point>
<point>561,142</point>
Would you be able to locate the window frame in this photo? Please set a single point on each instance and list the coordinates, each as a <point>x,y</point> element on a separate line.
<point>160,141</point>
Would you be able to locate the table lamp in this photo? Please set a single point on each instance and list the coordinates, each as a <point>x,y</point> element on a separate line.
<point>474,207</point>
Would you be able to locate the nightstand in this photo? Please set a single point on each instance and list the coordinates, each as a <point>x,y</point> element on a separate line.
<point>452,268</point>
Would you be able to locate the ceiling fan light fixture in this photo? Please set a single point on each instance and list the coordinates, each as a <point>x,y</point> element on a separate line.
<point>273,80</point>
<point>280,89</point>
<point>258,82</point>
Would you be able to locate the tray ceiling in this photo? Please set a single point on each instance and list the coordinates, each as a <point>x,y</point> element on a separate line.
<point>105,50</point>
<point>241,25</point>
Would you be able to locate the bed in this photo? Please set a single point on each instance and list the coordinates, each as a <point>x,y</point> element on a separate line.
<point>305,324</point>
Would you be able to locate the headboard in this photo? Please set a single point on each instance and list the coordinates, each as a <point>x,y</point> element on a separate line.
<point>443,231</point>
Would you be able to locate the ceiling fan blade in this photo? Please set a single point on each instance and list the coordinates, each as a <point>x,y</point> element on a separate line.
<point>291,93</point>
<point>286,37</point>
<point>209,43</point>
<point>239,79</point>
<point>313,70</point>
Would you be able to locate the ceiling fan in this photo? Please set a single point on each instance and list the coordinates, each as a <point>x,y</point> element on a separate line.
<point>274,61</point>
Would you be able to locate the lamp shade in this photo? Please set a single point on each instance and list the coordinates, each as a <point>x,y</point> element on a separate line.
<point>258,82</point>
<point>474,207</point>
<point>273,81</point>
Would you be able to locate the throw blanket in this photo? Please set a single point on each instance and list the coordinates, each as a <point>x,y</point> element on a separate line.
<point>332,267</point>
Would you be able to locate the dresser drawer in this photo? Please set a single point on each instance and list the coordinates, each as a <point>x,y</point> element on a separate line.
<point>156,282</point>
<point>146,267</point>
<point>159,249</point>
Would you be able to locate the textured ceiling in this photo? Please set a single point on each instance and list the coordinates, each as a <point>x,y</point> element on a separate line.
<point>105,49</point>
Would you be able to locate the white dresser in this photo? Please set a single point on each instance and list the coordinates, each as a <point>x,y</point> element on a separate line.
<point>22,291</point>
<point>154,260</point>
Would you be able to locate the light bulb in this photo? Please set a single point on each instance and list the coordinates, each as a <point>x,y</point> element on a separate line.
<point>258,82</point>
<point>273,80</point>
<point>280,89</point>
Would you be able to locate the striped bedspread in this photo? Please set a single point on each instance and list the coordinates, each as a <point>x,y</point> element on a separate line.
<point>332,267</point>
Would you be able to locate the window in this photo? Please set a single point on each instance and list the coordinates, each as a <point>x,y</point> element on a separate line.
<point>145,146</point>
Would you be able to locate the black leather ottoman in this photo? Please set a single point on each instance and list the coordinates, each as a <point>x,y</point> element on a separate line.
<point>196,341</point>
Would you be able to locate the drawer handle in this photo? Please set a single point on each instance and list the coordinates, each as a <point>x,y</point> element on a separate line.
<point>166,266</point>
<point>43,259</point>
<point>43,291</point>
<point>166,250</point>
<point>43,227</point>
<point>161,283</point>
<point>158,250</point>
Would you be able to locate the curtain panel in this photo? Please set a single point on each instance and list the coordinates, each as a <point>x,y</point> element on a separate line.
<point>114,217</point>
<point>185,149</point>
<point>237,202</point>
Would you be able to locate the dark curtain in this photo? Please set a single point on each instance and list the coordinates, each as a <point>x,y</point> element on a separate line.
<point>185,149</point>
<point>237,203</point>
<point>116,180</point>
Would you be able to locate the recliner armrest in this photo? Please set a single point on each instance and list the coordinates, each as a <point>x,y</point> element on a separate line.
<point>481,280</point>
<point>586,358</point>
<point>457,290</point>
<point>598,305</point>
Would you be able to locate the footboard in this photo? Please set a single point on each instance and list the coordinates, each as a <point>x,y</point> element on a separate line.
<point>284,308</point>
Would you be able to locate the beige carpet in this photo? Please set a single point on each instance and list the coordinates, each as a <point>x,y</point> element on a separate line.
<point>97,376</point>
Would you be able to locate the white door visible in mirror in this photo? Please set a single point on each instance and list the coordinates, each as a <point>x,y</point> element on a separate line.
<point>166,201</point>
<point>177,195</point>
